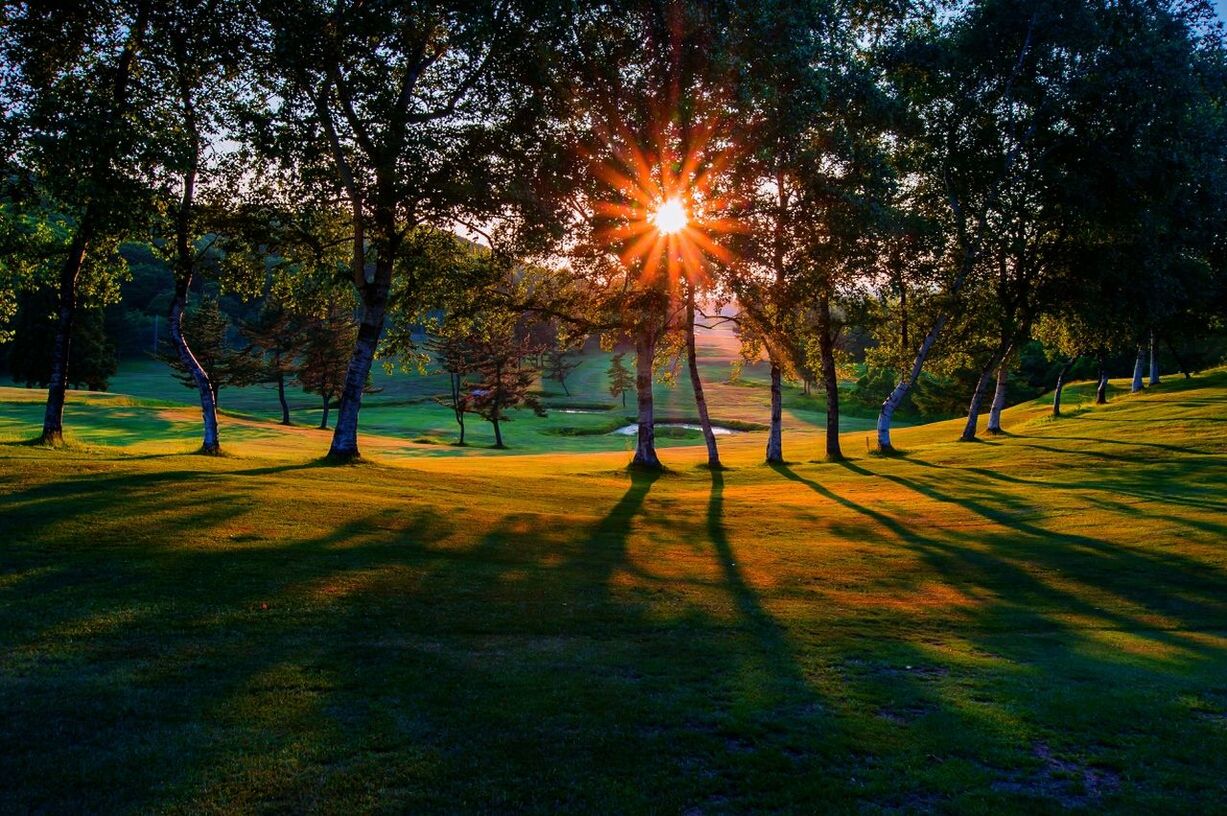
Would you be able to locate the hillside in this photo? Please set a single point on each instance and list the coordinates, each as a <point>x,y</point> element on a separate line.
<point>1031,623</point>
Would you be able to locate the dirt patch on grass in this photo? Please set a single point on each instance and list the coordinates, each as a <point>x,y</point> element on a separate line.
<point>1069,782</point>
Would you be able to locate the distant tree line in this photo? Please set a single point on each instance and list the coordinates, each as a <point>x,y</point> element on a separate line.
<point>953,205</point>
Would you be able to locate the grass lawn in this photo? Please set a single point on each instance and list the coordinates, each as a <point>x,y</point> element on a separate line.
<point>1035,623</point>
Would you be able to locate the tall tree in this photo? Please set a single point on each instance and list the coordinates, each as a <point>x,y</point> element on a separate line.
<point>71,96</point>
<point>328,339</point>
<point>986,87</point>
<point>201,57</point>
<point>278,336</point>
<point>621,380</point>
<point>210,332</point>
<point>415,114</point>
<point>651,124</point>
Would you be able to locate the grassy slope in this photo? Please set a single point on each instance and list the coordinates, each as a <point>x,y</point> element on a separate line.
<point>1025,624</point>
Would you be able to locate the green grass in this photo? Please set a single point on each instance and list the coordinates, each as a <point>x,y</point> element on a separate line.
<point>404,409</point>
<point>1035,623</point>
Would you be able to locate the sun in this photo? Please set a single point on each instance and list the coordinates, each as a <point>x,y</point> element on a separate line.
<point>670,217</point>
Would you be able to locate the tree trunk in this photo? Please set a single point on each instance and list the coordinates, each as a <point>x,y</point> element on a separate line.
<point>1056,395</point>
<point>204,386</point>
<point>692,360</point>
<point>994,414</point>
<point>830,380</point>
<point>1139,368</point>
<point>1101,391</point>
<point>324,416</point>
<point>53,415</point>
<point>775,436</point>
<point>374,308</point>
<point>1154,359</point>
<point>892,402</point>
<point>645,444</point>
<point>1179,360</point>
<point>285,406</point>
<point>977,399</point>
<point>457,408</point>
<point>498,432</point>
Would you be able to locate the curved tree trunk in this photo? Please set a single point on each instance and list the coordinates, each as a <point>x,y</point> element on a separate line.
<point>1056,394</point>
<point>374,309</point>
<point>645,443</point>
<point>204,386</point>
<point>892,402</point>
<point>1139,368</point>
<point>977,399</point>
<point>830,379</point>
<point>1154,359</point>
<point>994,414</point>
<point>775,436</point>
<point>700,401</point>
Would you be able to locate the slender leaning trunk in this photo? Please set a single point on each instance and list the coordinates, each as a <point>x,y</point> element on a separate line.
<point>1101,391</point>
<point>204,386</point>
<point>830,379</point>
<point>1056,394</point>
<point>994,414</point>
<point>892,402</point>
<point>645,444</point>
<point>1154,359</point>
<point>53,415</point>
<point>696,383</point>
<point>977,399</point>
<point>324,414</point>
<point>775,436</point>
<point>374,309</point>
<point>1139,367</point>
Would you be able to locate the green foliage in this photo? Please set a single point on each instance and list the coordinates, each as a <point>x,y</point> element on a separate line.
<point>92,355</point>
<point>621,378</point>
<point>210,335</point>
<point>327,341</point>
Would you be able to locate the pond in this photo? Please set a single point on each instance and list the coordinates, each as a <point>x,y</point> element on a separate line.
<point>633,430</point>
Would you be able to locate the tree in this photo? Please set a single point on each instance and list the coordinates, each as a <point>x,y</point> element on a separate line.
<point>92,360</point>
<point>811,189</point>
<point>558,365</point>
<point>696,383</point>
<point>454,356</point>
<point>70,97</point>
<point>621,380</point>
<point>278,336</point>
<point>207,329</point>
<point>416,115</point>
<point>986,90</point>
<point>650,122</point>
<point>499,380</point>
<point>328,340</point>
<point>201,51</point>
